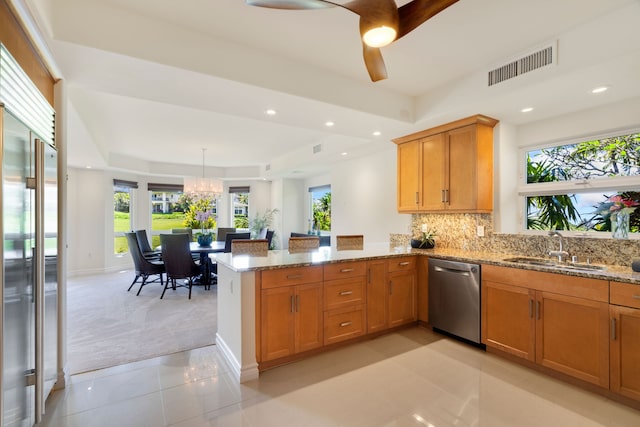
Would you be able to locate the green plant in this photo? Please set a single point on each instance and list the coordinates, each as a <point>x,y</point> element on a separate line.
<point>426,237</point>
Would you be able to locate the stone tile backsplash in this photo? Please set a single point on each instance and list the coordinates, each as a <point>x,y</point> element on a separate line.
<point>458,231</point>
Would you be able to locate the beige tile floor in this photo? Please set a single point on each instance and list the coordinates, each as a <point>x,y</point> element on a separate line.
<point>410,378</point>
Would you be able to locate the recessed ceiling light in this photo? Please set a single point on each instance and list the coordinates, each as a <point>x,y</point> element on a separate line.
<point>271,112</point>
<point>344,153</point>
<point>599,89</point>
<point>377,133</point>
<point>527,109</point>
<point>329,124</point>
<point>88,167</point>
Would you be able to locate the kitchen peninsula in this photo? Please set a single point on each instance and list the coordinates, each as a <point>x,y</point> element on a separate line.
<point>282,307</point>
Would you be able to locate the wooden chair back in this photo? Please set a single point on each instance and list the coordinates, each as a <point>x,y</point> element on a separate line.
<point>258,247</point>
<point>350,242</point>
<point>307,243</point>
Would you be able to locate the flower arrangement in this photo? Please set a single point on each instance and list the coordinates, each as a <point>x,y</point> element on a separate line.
<point>619,203</point>
<point>200,215</point>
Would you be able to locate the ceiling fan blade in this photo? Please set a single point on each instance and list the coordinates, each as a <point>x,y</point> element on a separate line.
<point>374,63</point>
<point>415,13</point>
<point>291,4</point>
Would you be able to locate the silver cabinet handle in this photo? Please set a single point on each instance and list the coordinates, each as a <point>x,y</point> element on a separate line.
<point>347,270</point>
<point>446,196</point>
<point>403,264</point>
<point>417,198</point>
<point>343,324</point>
<point>538,310</point>
<point>634,296</point>
<point>294,276</point>
<point>531,309</point>
<point>442,196</point>
<point>613,329</point>
<point>343,293</point>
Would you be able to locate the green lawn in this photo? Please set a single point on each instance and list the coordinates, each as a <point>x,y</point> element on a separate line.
<point>122,222</point>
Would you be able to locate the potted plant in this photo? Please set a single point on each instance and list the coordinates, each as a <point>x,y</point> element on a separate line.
<point>262,221</point>
<point>424,240</point>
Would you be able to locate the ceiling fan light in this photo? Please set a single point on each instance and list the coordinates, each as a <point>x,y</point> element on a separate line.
<point>379,36</point>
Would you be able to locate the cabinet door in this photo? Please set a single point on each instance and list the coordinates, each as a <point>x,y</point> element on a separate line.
<point>508,319</point>
<point>433,173</point>
<point>408,176</point>
<point>308,317</point>
<point>625,351</point>
<point>572,336</point>
<point>277,313</point>
<point>402,298</point>
<point>462,173</point>
<point>376,296</point>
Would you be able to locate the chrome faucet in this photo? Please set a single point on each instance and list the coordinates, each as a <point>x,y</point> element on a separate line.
<point>560,253</point>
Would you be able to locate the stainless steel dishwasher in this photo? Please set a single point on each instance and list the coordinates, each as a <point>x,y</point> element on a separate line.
<point>454,298</point>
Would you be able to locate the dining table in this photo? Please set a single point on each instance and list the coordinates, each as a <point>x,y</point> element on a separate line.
<point>205,261</point>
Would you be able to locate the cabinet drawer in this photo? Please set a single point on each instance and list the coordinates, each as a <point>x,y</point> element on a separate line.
<point>344,323</point>
<point>624,294</point>
<point>338,293</point>
<point>291,276</point>
<point>343,270</point>
<point>401,263</point>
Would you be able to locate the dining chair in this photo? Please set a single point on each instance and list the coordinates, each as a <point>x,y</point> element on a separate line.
<point>144,268</point>
<point>306,243</point>
<point>234,236</point>
<point>256,247</point>
<point>222,233</point>
<point>178,261</point>
<point>145,247</point>
<point>188,231</point>
<point>350,242</point>
<point>269,237</point>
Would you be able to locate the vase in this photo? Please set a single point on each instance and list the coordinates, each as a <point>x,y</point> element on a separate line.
<point>620,224</point>
<point>205,239</point>
<point>419,244</point>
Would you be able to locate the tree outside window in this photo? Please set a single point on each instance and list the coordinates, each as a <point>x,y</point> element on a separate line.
<point>320,209</point>
<point>606,172</point>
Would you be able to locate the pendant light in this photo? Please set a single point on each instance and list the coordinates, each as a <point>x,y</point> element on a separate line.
<point>203,187</point>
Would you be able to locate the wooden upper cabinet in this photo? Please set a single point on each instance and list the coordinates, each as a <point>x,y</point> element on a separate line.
<point>448,168</point>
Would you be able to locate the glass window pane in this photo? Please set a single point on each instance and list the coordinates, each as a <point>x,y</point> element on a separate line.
<point>321,209</point>
<point>581,211</point>
<point>597,159</point>
<point>240,209</point>
<point>167,211</point>
<point>121,217</point>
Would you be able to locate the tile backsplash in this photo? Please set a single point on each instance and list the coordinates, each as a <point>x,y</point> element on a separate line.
<point>459,231</point>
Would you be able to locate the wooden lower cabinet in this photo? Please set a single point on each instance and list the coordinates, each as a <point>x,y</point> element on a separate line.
<point>377,296</point>
<point>291,320</point>
<point>402,288</point>
<point>625,339</point>
<point>507,319</point>
<point>344,323</point>
<point>566,333</point>
<point>572,336</point>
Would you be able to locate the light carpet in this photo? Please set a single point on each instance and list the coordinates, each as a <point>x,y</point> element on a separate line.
<point>108,326</point>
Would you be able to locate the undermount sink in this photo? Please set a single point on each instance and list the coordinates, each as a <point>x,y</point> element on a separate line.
<point>554,264</point>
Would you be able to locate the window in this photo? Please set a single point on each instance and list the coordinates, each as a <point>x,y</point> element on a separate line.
<point>168,207</point>
<point>577,186</point>
<point>240,206</point>
<point>121,213</point>
<point>320,209</point>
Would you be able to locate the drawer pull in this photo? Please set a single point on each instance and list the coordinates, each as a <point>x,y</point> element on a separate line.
<point>343,293</point>
<point>343,324</point>
<point>403,264</point>
<point>613,329</point>
<point>294,276</point>
<point>634,296</point>
<point>347,270</point>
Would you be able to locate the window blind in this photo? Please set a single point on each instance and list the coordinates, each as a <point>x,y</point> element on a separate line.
<point>123,183</point>
<point>239,189</point>
<point>173,188</point>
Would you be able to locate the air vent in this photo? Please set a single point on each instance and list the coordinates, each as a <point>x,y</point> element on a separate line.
<point>268,167</point>
<point>523,65</point>
<point>317,148</point>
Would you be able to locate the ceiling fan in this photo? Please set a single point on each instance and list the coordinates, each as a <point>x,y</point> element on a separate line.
<point>381,22</point>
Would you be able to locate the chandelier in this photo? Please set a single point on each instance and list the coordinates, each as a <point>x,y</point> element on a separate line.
<point>203,187</point>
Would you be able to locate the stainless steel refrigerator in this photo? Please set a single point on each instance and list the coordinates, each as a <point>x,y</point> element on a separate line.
<point>29,227</point>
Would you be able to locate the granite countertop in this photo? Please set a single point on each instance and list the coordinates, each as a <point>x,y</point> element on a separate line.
<point>325,255</point>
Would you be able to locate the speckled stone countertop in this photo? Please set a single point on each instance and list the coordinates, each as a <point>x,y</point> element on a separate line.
<point>325,255</point>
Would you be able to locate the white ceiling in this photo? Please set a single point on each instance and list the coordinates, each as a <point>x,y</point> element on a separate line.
<point>151,82</point>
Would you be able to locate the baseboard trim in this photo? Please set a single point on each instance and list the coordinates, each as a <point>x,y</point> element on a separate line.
<point>241,373</point>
